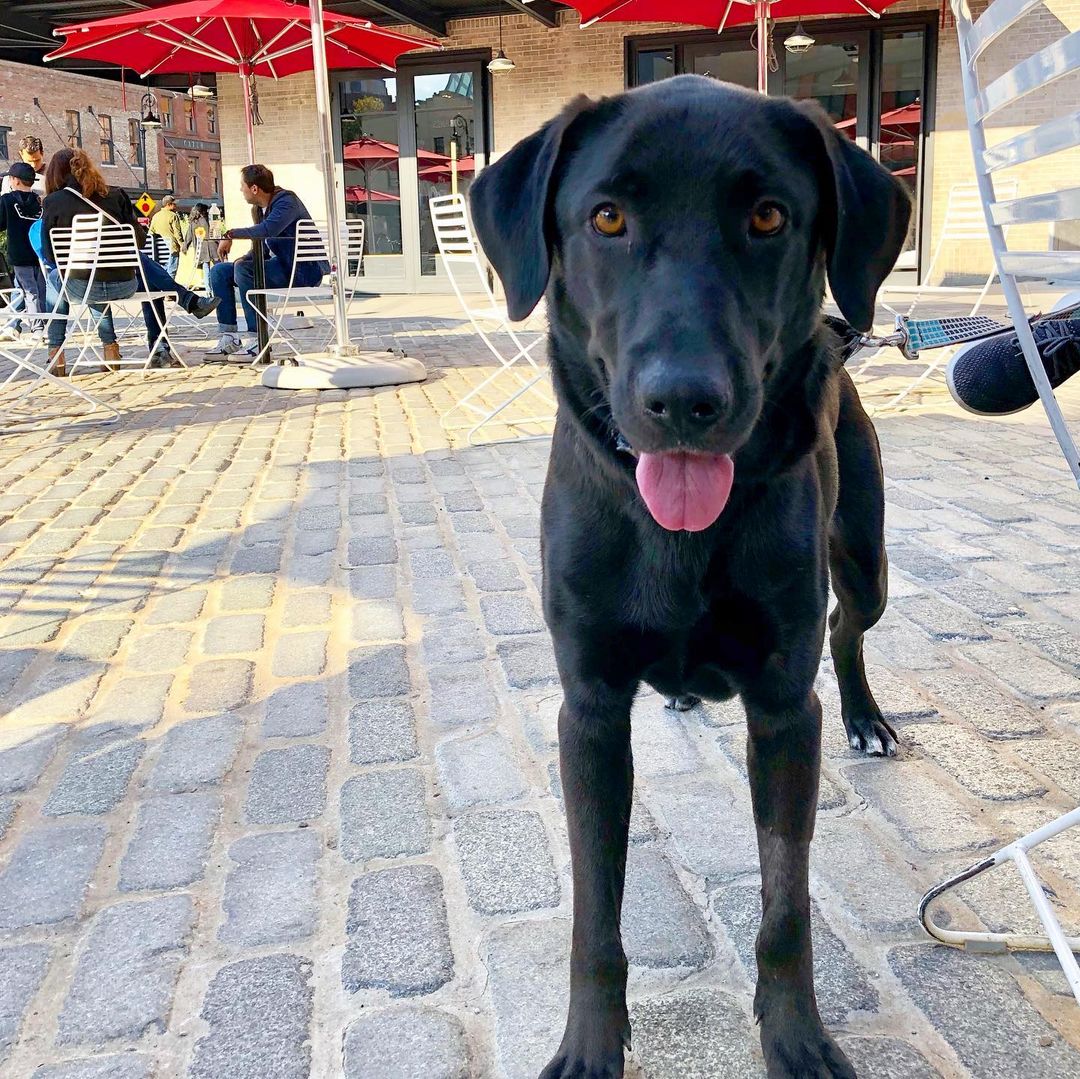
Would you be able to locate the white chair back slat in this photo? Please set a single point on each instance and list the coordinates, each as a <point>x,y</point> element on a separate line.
<point>1046,66</point>
<point>995,21</point>
<point>457,246</point>
<point>1054,136</point>
<point>1051,206</point>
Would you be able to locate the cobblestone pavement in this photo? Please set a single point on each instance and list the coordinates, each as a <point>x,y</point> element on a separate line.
<point>278,781</point>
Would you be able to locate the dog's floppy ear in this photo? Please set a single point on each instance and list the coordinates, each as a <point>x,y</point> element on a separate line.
<point>864,230</point>
<point>510,202</point>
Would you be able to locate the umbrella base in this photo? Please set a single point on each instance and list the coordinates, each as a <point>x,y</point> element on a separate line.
<point>329,371</point>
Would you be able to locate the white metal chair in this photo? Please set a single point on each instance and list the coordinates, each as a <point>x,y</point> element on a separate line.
<point>311,246</point>
<point>1054,134</point>
<point>460,255</point>
<point>23,408</point>
<point>1051,135</point>
<point>98,245</point>
<point>964,222</point>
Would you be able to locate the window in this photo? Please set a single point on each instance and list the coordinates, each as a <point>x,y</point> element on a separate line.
<point>108,155</point>
<point>170,171</point>
<point>4,132</point>
<point>189,115</point>
<point>74,128</point>
<point>165,112</point>
<point>211,121</point>
<point>135,138</point>
<point>215,176</point>
<point>193,173</point>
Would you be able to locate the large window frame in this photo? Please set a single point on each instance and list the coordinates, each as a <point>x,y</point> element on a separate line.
<point>683,45</point>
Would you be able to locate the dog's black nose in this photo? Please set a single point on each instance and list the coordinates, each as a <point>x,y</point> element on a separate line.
<point>685,404</point>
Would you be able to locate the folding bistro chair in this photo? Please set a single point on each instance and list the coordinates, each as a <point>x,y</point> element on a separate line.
<point>1057,133</point>
<point>1054,134</point>
<point>964,223</point>
<point>98,245</point>
<point>460,255</point>
<point>311,246</point>
<point>23,408</point>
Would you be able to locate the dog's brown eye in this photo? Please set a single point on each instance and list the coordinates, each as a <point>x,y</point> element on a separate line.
<point>767,219</point>
<point>609,221</point>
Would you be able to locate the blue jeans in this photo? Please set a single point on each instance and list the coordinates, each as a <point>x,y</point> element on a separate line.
<point>99,292</point>
<point>174,263</point>
<point>31,281</point>
<point>158,280</point>
<point>225,276</point>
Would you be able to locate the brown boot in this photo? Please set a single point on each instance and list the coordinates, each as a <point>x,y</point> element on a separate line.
<point>112,357</point>
<point>58,364</point>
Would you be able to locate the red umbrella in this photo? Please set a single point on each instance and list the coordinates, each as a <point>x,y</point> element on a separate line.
<point>717,14</point>
<point>253,37</point>
<point>440,173</point>
<point>356,193</point>
<point>374,152</point>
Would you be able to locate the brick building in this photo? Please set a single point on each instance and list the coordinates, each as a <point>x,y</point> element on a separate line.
<point>64,108</point>
<point>189,147</point>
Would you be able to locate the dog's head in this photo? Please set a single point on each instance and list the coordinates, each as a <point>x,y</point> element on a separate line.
<point>688,228</point>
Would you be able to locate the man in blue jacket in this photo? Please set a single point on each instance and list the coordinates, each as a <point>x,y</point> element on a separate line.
<point>282,210</point>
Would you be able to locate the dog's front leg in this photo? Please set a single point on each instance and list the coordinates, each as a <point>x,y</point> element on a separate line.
<point>597,779</point>
<point>784,761</point>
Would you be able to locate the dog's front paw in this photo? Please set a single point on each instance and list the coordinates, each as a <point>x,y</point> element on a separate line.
<point>869,732</point>
<point>813,1054</point>
<point>682,703</point>
<point>594,1052</point>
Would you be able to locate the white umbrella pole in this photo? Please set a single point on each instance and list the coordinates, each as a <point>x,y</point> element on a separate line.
<point>326,138</point>
<point>762,11</point>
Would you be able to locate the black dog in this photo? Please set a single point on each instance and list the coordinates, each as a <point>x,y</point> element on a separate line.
<point>710,463</point>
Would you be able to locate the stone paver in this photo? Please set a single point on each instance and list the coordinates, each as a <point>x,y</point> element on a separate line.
<point>279,785</point>
<point>269,893</point>
<point>398,933</point>
<point>258,1011</point>
<point>405,1044</point>
<point>126,969</point>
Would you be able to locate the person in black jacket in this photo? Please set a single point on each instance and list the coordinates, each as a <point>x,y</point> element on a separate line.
<point>75,187</point>
<point>20,207</point>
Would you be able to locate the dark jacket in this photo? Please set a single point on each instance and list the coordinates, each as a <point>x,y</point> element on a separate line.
<point>63,206</point>
<point>278,230</point>
<point>18,211</point>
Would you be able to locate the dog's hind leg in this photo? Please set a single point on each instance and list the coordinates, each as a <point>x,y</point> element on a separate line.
<point>859,571</point>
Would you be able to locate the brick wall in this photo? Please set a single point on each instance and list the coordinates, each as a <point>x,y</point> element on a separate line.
<point>553,65</point>
<point>60,92</point>
<point>168,139</point>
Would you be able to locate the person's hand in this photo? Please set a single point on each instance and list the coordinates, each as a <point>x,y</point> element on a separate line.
<point>223,249</point>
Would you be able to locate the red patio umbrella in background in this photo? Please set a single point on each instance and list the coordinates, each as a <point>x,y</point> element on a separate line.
<point>718,14</point>
<point>252,37</point>
<point>356,193</point>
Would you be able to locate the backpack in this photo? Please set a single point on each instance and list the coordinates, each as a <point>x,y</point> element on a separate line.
<point>37,241</point>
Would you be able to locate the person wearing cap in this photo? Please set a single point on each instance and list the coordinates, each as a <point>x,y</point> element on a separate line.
<point>20,207</point>
<point>166,224</point>
<point>31,153</point>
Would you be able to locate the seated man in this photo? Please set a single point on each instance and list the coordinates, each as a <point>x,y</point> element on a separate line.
<point>282,209</point>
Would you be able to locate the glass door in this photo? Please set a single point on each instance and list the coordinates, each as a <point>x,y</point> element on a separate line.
<point>371,166</point>
<point>901,127</point>
<point>405,138</point>
<point>835,73</point>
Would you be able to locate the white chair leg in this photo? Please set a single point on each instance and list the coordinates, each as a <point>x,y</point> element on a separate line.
<point>1055,939</point>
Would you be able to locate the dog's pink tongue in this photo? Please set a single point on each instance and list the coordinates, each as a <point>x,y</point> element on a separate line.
<point>685,491</point>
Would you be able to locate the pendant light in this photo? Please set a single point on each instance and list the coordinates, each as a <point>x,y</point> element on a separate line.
<point>500,62</point>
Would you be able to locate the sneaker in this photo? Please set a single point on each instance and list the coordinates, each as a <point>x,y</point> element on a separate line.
<point>991,377</point>
<point>201,307</point>
<point>228,343</point>
<point>245,354</point>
